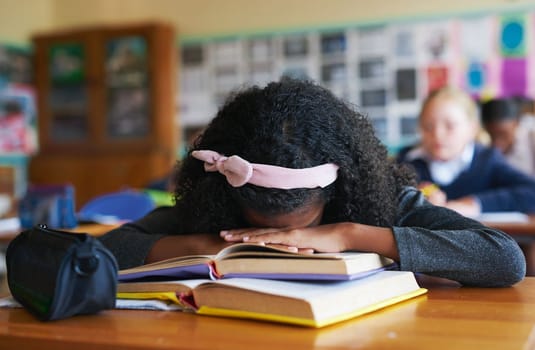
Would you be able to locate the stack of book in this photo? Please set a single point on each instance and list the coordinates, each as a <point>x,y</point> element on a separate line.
<point>267,283</point>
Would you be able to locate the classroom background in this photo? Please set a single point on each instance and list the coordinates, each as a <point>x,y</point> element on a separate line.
<point>382,56</point>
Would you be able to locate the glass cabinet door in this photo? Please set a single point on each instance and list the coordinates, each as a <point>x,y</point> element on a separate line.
<point>68,95</point>
<point>127,88</point>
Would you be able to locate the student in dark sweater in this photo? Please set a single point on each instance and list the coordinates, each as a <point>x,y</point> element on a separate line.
<point>290,164</point>
<point>469,177</point>
<point>510,132</point>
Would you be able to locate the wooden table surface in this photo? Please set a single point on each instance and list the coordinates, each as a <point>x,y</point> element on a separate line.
<point>448,317</point>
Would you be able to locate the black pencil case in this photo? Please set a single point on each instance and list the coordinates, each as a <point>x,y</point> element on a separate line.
<point>56,274</point>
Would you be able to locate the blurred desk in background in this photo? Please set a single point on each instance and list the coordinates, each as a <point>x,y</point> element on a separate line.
<point>523,231</point>
<point>92,229</point>
<point>516,229</point>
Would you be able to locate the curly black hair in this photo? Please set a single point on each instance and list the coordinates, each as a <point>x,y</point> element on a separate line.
<point>295,124</point>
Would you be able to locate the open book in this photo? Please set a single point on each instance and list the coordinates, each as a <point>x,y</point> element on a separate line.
<point>313,304</point>
<point>259,261</point>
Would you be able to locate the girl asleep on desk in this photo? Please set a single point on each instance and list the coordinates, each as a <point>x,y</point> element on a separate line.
<point>290,164</point>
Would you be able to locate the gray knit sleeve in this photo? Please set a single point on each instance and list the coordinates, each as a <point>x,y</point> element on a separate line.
<point>129,246</point>
<point>440,242</point>
<point>131,242</point>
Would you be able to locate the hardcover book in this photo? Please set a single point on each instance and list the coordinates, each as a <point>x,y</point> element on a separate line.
<point>259,261</point>
<point>306,303</point>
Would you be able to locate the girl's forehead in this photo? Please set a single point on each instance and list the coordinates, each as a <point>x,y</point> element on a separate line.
<point>445,108</point>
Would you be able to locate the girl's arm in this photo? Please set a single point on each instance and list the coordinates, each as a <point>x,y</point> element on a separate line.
<point>179,245</point>
<point>155,237</point>
<point>425,238</point>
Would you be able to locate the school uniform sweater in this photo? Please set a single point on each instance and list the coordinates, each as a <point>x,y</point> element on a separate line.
<point>490,178</point>
<point>431,240</point>
<point>521,155</point>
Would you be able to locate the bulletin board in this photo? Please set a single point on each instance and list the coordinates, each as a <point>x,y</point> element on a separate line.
<point>385,69</point>
<point>18,121</point>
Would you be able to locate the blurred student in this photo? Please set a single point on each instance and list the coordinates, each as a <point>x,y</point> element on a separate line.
<point>526,108</point>
<point>456,171</point>
<point>515,138</point>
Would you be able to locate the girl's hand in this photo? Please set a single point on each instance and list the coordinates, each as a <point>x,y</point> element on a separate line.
<point>331,238</point>
<point>323,238</point>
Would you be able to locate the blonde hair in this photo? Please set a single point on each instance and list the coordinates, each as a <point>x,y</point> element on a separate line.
<point>467,103</point>
<point>457,95</point>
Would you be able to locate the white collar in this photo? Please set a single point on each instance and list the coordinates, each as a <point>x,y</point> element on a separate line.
<point>444,172</point>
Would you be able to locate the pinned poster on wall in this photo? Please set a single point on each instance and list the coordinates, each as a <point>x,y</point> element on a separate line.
<point>437,76</point>
<point>514,77</point>
<point>513,50</point>
<point>513,36</point>
<point>476,77</point>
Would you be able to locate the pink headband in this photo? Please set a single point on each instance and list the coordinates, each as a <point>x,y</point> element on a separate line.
<point>238,172</point>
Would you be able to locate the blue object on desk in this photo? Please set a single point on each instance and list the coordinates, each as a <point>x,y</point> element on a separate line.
<point>117,206</point>
<point>52,205</point>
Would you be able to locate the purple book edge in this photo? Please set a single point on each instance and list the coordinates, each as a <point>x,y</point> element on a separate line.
<point>171,273</point>
<point>310,276</point>
<point>204,271</point>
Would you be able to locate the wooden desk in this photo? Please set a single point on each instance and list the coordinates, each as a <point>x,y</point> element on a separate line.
<point>448,317</point>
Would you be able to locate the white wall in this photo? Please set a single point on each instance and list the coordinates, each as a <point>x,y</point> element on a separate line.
<point>19,19</point>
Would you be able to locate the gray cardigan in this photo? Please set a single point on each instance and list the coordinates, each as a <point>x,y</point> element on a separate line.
<point>431,240</point>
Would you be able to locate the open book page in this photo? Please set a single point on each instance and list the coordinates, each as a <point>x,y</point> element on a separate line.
<point>258,261</point>
<point>241,250</point>
<point>187,267</point>
<point>147,304</point>
<point>255,249</point>
<point>156,295</point>
<point>175,286</point>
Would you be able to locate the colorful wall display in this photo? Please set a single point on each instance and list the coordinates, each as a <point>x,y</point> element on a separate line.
<point>18,120</point>
<point>17,102</point>
<point>385,69</point>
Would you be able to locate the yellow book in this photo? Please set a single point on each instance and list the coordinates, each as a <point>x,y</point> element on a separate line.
<point>312,304</point>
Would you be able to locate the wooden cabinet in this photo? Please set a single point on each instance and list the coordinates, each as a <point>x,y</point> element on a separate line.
<point>106,107</point>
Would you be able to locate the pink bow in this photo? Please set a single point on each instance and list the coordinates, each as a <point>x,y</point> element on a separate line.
<point>238,172</point>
